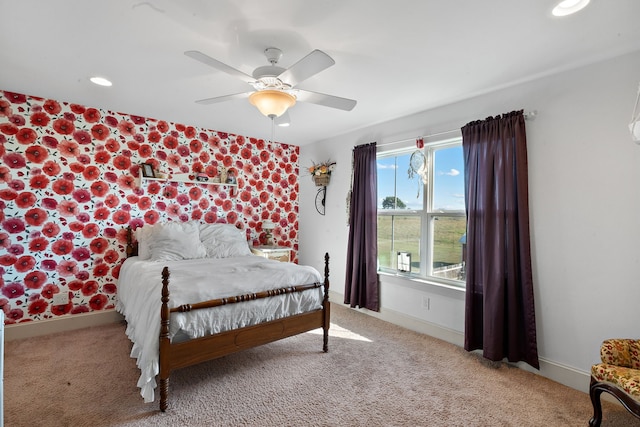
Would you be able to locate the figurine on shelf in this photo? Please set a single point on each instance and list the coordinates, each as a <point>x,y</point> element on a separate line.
<point>231,177</point>
<point>147,170</point>
<point>223,175</point>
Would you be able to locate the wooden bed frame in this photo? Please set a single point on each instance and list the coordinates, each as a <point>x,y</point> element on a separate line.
<point>180,355</point>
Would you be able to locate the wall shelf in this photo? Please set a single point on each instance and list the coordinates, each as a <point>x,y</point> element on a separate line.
<point>142,179</point>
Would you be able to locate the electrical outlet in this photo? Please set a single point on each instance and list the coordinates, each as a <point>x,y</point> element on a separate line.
<point>426,302</point>
<point>61,299</point>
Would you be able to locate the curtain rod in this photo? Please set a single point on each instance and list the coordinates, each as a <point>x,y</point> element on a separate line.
<point>422,136</point>
<point>528,115</point>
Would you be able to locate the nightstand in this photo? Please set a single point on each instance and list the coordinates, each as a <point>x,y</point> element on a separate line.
<point>278,253</point>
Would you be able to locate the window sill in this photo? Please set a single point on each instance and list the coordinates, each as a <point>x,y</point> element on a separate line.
<point>422,283</point>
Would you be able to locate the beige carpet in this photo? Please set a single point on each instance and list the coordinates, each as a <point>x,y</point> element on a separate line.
<point>375,374</point>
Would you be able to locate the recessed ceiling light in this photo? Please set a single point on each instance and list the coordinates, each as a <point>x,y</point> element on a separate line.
<point>568,7</point>
<point>100,81</point>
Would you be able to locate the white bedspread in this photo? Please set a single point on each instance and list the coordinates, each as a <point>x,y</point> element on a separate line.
<point>139,293</point>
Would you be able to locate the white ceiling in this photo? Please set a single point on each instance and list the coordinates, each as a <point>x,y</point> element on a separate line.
<point>394,57</point>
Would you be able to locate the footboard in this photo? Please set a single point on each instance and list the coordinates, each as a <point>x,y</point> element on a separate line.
<point>183,354</point>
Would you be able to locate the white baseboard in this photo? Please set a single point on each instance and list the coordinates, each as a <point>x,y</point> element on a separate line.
<point>60,324</point>
<point>566,375</point>
<point>557,372</point>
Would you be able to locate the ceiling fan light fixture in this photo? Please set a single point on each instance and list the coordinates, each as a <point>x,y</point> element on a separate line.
<point>100,81</point>
<point>272,103</point>
<point>569,7</point>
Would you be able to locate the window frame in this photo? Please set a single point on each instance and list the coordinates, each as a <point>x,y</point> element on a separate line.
<point>427,214</point>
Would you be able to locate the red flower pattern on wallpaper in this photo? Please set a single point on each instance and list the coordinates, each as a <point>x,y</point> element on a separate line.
<point>71,190</point>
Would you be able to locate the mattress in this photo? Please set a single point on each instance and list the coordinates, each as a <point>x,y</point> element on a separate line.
<point>195,280</point>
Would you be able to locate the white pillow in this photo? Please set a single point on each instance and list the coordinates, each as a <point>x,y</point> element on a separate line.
<point>223,240</point>
<point>142,235</point>
<point>174,241</point>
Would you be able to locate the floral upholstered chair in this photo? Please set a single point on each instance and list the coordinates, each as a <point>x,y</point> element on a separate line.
<point>618,374</point>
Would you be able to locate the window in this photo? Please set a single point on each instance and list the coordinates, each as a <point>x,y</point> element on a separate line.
<point>423,222</point>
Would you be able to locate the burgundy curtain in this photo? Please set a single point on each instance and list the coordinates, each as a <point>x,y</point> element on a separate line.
<point>499,314</point>
<point>361,282</point>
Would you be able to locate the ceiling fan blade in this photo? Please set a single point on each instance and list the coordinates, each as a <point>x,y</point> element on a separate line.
<point>217,99</point>
<point>326,100</point>
<point>205,59</point>
<point>308,66</point>
<point>283,120</point>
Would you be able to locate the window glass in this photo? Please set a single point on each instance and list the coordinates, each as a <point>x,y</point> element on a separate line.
<point>395,189</point>
<point>421,218</point>
<point>448,179</point>
<point>449,241</point>
<point>398,233</point>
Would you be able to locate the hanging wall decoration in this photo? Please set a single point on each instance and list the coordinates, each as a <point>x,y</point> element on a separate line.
<point>321,197</point>
<point>321,175</point>
<point>418,165</point>
<point>321,172</point>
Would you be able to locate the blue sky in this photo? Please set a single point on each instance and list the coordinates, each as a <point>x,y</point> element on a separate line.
<point>448,180</point>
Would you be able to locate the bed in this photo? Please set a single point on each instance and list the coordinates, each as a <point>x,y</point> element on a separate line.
<point>193,292</point>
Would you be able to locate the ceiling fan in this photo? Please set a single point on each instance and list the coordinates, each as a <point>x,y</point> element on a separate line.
<point>275,88</point>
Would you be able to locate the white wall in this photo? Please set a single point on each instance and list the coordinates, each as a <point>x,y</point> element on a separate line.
<point>584,174</point>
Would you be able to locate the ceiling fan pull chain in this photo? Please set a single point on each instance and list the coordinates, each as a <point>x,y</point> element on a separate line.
<point>273,129</point>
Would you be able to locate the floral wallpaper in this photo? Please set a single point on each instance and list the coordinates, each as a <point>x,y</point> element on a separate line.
<point>69,188</point>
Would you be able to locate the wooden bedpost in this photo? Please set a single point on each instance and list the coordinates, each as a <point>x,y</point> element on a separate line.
<point>129,250</point>
<point>132,246</point>
<point>325,305</point>
<point>165,343</point>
